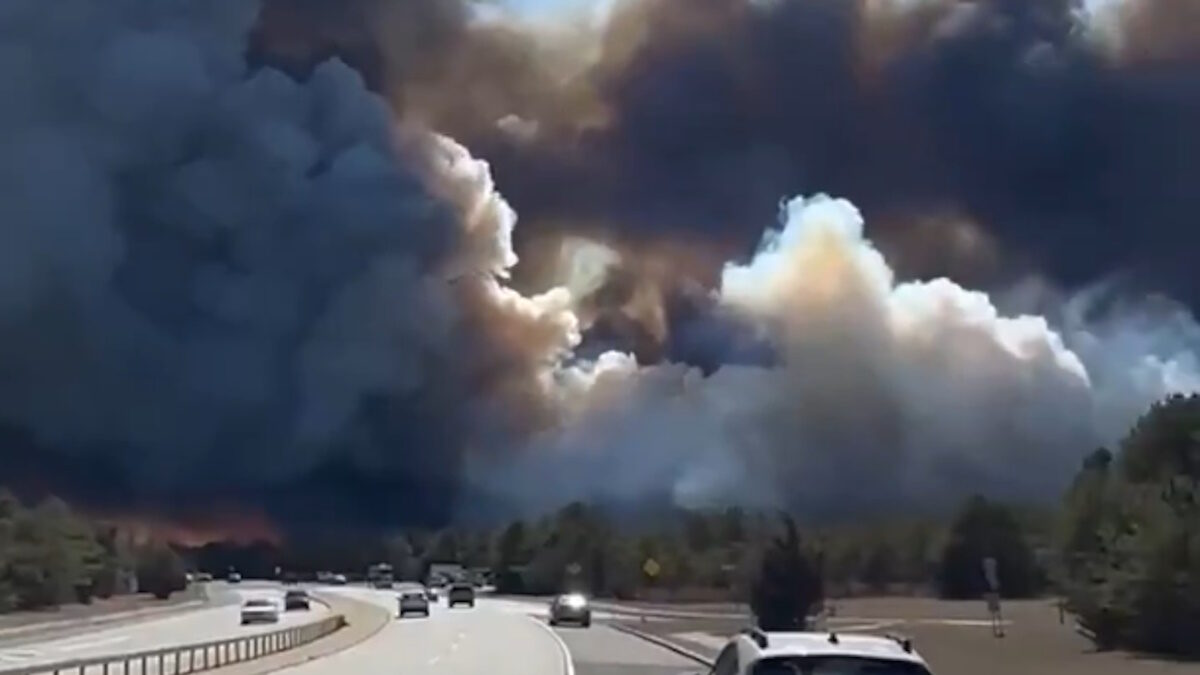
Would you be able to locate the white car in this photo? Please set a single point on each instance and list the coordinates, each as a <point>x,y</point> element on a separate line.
<point>754,652</point>
<point>260,610</point>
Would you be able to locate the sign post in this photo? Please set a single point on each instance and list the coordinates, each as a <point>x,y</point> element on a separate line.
<point>991,574</point>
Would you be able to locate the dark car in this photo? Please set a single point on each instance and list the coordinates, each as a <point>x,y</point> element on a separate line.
<point>414,602</point>
<point>461,594</point>
<point>571,608</point>
<point>295,599</point>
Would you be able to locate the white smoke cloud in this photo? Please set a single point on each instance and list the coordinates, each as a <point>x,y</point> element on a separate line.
<point>884,394</point>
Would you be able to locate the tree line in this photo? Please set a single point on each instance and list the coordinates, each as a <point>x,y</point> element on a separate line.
<point>1122,550</point>
<point>50,555</point>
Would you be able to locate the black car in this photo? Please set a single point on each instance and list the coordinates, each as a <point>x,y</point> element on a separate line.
<point>461,594</point>
<point>295,599</point>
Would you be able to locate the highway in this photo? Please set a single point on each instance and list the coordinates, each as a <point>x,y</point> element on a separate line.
<point>221,620</point>
<point>496,637</point>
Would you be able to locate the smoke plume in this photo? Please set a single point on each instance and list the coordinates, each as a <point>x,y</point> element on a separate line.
<point>259,254</point>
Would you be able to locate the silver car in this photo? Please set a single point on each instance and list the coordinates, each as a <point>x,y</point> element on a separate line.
<point>414,602</point>
<point>260,610</point>
<point>571,608</point>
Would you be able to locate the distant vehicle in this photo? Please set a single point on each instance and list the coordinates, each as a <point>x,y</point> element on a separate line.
<point>380,575</point>
<point>234,578</point>
<point>338,579</point>
<point>414,602</point>
<point>295,599</point>
<point>754,652</point>
<point>203,576</point>
<point>260,610</point>
<point>431,594</point>
<point>571,608</point>
<point>461,594</point>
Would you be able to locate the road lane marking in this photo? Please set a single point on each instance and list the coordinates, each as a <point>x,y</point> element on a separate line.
<point>19,655</point>
<point>77,645</point>
<point>434,660</point>
<point>568,661</point>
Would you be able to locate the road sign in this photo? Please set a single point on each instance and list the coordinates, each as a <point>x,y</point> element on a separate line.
<point>651,567</point>
<point>574,569</point>
<point>989,573</point>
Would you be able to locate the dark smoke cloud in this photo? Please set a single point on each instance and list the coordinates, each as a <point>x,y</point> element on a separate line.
<point>238,263</point>
<point>224,283</point>
<point>1071,138</point>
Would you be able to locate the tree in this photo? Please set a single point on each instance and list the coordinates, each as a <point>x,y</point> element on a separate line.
<point>160,571</point>
<point>985,529</point>
<point>1131,535</point>
<point>879,565</point>
<point>54,556</point>
<point>789,583</point>
<point>10,510</point>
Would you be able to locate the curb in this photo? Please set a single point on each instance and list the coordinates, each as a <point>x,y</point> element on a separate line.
<point>665,644</point>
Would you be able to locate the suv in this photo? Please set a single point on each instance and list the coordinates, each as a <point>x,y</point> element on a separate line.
<point>754,652</point>
<point>295,599</point>
<point>461,593</point>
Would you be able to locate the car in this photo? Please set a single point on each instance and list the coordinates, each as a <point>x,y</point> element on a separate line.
<point>755,652</point>
<point>431,594</point>
<point>461,594</point>
<point>260,610</point>
<point>414,602</point>
<point>234,578</point>
<point>338,579</point>
<point>204,576</point>
<point>571,608</point>
<point>295,599</point>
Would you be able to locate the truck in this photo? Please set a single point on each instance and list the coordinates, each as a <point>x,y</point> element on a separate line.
<point>380,575</point>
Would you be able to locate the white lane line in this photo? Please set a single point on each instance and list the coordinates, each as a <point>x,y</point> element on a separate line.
<point>434,660</point>
<point>568,662</point>
<point>13,655</point>
<point>88,644</point>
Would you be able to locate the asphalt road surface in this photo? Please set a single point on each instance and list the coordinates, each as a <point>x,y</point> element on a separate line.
<point>496,637</point>
<point>200,625</point>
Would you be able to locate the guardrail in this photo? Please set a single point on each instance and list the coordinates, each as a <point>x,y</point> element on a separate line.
<point>193,658</point>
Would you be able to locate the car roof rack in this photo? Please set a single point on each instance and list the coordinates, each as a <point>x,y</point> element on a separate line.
<point>905,642</point>
<point>756,634</point>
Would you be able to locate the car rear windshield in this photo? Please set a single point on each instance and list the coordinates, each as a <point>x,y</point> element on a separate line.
<point>836,665</point>
<point>258,603</point>
<point>297,594</point>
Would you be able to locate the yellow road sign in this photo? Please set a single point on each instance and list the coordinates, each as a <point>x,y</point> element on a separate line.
<point>651,567</point>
